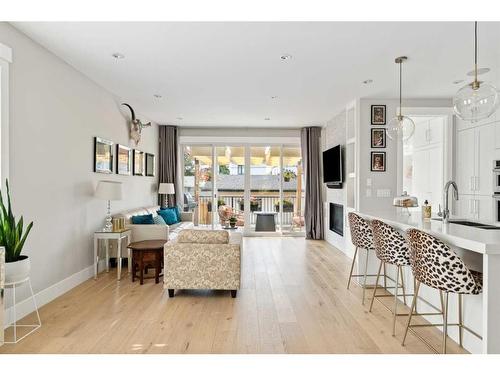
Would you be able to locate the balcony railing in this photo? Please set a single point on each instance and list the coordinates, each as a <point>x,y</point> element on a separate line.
<point>267,203</point>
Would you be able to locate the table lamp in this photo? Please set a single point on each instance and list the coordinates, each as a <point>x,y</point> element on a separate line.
<point>110,191</point>
<point>166,188</point>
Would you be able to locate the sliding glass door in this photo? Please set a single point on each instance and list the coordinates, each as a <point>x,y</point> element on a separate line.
<point>197,182</point>
<point>218,180</point>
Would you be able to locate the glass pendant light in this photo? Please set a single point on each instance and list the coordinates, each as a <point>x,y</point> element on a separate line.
<point>477,100</point>
<point>400,127</point>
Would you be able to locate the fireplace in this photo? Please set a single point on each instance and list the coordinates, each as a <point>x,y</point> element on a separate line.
<point>337,218</point>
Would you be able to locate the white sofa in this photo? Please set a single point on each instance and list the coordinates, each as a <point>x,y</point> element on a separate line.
<point>142,232</point>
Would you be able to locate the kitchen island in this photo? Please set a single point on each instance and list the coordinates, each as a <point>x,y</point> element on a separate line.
<point>480,250</point>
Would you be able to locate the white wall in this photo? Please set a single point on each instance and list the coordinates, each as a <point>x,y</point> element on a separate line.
<point>55,112</point>
<point>389,179</point>
<point>334,133</point>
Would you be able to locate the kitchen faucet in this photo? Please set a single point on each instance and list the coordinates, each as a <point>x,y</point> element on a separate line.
<point>446,212</point>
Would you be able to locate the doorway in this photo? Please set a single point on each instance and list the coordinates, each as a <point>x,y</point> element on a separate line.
<point>244,184</point>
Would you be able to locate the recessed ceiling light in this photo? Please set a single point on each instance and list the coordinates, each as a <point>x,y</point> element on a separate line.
<point>367,81</point>
<point>267,118</point>
<point>180,118</point>
<point>157,96</point>
<point>118,56</point>
<point>457,81</point>
<point>285,57</point>
<point>479,72</point>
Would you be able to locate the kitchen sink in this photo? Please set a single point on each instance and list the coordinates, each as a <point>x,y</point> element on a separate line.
<point>469,223</point>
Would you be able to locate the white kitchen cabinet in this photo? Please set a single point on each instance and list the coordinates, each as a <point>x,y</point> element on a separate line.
<point>485,148</point>
<point>428,132</point>
<point>465,160</point>
<point>464,206</point>
<point>484,208</point>
<point>474,156</point>
<point>475,207</point>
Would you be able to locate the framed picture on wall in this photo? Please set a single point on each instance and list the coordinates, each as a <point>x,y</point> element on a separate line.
<point>139,163</point>
<point>378,138</point>
<point>377,161</point>
<point>123,160</point>
<point>103,155</point>
<point>378,114</point>
<point>150,165</point>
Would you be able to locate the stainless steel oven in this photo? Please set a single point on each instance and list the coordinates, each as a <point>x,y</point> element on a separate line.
<point>496,177</point>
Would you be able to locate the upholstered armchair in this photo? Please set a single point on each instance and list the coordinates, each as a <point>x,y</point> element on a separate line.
<point>203,259</point>
<point>226,212</point>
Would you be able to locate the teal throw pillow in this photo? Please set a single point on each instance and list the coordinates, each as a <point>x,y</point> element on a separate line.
<point>178,213</point>
<point>143,219</point>
<point>169,215</point>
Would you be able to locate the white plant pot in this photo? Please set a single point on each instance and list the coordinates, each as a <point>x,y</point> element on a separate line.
<point>17,271</point>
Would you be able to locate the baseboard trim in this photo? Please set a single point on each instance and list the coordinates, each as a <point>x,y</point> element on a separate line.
<point>47,295</point>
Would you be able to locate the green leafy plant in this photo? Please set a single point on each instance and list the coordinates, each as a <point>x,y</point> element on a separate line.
<point>287,205</point>
<point>12,234</point>
<point>289,175</point>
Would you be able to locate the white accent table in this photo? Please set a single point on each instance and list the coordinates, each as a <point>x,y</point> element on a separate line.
<point>118,237</point>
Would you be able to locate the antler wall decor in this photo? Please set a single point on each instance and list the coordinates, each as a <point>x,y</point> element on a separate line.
<point>136,126</point>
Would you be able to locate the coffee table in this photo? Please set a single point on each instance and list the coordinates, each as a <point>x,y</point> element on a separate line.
<point>148,253</point>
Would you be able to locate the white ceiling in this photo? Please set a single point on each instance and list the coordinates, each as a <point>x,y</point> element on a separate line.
<point>224,74</point>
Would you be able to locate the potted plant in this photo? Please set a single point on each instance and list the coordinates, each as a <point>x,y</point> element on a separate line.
<point>232,221</point>
<point>12,238</point>
<point>288,175</point>
<point>287,206</point>
<point>254,204</point>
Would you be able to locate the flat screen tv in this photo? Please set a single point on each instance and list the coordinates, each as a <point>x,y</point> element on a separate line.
<point>332,166</point>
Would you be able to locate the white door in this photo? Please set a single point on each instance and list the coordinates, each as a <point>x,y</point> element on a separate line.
<point>435,131</point>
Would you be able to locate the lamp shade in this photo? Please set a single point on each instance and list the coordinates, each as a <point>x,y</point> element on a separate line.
<point>109,190</point>
<point>166,188</point>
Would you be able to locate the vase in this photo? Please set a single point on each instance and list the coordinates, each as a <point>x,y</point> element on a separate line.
<point>232,224</point>
<point>17,271</point>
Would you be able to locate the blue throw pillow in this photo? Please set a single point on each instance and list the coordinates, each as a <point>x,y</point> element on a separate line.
<point>143,219</point>
<point>169,215</point>
<point>158,220</point>
<point>178,213</point>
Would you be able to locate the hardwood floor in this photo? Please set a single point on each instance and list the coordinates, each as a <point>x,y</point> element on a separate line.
<point>293,300</point>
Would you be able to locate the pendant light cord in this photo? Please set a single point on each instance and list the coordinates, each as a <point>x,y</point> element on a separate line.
<point>400,85</point>
<point>475,51</point>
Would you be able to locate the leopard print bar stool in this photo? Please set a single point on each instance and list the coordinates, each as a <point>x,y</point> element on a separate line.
<point>434,264</point>
<point>391,248</point>
<point>361,237</point>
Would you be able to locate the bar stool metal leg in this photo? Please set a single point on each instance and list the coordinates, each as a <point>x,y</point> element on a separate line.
<point>402,284</point>
<point>366,274</point>
<point>445,321</point>
<point>382,263</point>
<point>394,313</point>
<point>413,305</point>
<point>352,267</point>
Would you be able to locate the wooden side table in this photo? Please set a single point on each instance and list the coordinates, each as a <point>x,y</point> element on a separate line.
<point>106,236</point>
<point>147,253</point>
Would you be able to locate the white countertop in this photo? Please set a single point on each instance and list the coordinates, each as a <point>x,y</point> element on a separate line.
<point>483,241</point>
